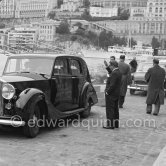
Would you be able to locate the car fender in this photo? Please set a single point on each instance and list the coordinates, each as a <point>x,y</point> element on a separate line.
<point>26,95</point>
<point>88,92</point>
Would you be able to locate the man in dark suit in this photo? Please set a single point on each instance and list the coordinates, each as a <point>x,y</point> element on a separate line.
<point>126,79</point>
<point>155,77</point>
<point>112,93</point>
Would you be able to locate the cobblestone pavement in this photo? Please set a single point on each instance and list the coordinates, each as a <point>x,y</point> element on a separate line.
<point>91,146</point>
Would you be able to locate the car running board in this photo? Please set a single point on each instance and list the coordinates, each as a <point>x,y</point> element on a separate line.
<point>67,113</point>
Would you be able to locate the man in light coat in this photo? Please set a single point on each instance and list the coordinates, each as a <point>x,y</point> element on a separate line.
<point>155,77</point>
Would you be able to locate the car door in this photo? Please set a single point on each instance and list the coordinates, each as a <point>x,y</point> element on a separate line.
<point>63,84</point>
<point>77,80</point>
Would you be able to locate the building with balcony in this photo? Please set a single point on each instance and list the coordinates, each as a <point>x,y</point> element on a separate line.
<point>7,8</point>
<point>103,12</point>
<point>156,8</point>
<point>138,12</point>
<point>22,38</point>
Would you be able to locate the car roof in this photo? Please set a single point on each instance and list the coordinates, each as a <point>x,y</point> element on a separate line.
<point>40,55</point>
<point>160,62</point>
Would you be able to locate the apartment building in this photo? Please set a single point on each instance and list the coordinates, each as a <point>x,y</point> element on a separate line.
<point>31,8</point>
<point>47,30</point>
<point>22,38</point>
<point>7,8</point>
<point>103,12</point>
<point>156,8</point>
<point>119,3</point>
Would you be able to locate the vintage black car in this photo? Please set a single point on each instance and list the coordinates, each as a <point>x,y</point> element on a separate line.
<point>138,78</point>
<point>50,86</point>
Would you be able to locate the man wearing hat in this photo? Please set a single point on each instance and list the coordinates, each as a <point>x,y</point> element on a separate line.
<point>155,77</point>
<point>112,92</point>
<point>126,79</point>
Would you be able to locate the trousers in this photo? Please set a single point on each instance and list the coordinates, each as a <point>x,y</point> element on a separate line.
<point>112,111</point>
<point>121,100</point>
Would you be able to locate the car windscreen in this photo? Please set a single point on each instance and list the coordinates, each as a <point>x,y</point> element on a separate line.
<point>29,65</point>
<point>143,67</point>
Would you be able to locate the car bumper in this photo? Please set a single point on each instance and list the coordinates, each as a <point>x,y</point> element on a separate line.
<point>138,87</point>
<point>12,122</point>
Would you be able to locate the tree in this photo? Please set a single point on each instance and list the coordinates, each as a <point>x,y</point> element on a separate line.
<point>2,25</point>
<point>80,32</point>
<point>86,3</point>
<point>73,38</point>
<point>51,15</point>
<point>103,41</point>
<point>86,16</point>
<point>78,24</point>
<point>133,42</point>
<point>63,28</point>
<point>155,43</point>
<point>59,3</point>
<point>123,14</point>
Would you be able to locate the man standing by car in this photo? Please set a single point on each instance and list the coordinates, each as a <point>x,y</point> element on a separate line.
<point>112,93</point>
<point>126,79</point>
<point>155,77</point>
<point>133,65</point>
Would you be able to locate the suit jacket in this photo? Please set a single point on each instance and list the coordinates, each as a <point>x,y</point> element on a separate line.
<point>155,77</point>
<point>113,84</point>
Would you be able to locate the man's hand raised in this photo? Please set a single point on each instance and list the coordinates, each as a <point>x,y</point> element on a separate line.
<point>105,62</point>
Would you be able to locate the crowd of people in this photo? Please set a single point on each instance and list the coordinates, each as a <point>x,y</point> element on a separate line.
<point>119,77</point>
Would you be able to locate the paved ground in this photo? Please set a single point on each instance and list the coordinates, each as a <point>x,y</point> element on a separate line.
<point>91,146</point>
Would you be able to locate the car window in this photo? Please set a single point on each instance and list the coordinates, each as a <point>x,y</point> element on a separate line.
<point>75,67</point>
<point>37,65</point>
<point>60,67</point>
<point>145,66</point>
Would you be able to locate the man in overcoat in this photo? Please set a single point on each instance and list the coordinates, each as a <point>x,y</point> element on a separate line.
<point>155,77</point>
<point>126,79</point>
<point>112,93</point>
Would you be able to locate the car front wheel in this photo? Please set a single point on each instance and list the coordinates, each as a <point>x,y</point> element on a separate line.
<point>87,110</point>
<point>31,129</point>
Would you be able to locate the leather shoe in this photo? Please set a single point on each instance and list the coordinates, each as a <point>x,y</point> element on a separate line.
<point>155,114</point>
<point>148,112</point>
<point>107,127</point>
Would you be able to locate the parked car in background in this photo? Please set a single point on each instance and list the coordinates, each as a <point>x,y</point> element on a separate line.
<point>138,78</point>
<point>49,86</point>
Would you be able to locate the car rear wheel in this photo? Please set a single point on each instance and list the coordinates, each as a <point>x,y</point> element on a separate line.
<point>132,91</point>
<point>87,110</point>
<point>31,129</point>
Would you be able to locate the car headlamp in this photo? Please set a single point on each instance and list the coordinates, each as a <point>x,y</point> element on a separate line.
<point>8,91</point>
